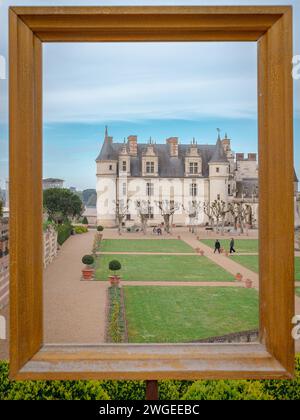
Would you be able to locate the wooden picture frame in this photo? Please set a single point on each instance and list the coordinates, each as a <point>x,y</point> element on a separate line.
<point>271,28</point>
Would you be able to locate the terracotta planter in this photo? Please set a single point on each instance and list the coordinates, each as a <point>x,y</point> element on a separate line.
<point>201,252</point>
<point>114,280</point>
<point>87,273</point>
<point>238,276</point>
<point>248,283</point>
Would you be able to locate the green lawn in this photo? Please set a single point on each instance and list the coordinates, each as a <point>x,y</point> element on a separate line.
<point>158,314</point>
<point>144,245</point>
<point>251,262</point>
<point>240,245</point>
<point>248,261</point>
<point>163,268</point>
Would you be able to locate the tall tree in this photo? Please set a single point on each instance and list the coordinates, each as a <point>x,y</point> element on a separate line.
<point>61,204</point>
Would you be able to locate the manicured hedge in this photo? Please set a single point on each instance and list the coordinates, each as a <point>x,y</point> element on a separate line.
<point>135,390</point>
<point>63,232</point>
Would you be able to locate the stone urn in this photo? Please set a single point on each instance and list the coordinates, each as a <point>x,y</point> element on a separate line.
<point>114,280</point>
<point>248,283</point>
<point>238,276</point>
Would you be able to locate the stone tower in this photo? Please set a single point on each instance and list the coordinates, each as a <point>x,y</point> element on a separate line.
<point>218,173</point>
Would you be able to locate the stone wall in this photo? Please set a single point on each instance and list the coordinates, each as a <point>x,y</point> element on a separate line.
<point>50,252</point>
<point>239,337</point>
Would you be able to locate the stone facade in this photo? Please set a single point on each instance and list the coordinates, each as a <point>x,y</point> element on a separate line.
<point>179,173</point>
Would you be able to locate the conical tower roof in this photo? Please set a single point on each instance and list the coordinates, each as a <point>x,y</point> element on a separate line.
<point>107,150</point>
<point>219,153</point>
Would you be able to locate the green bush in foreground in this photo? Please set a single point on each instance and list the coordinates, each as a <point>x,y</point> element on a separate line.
<point>135,390</point>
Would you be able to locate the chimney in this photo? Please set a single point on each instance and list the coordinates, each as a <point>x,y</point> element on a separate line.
<point>132,143</point>
<point>239,156</point>
<point>173,146</point>
<point>226,143</point>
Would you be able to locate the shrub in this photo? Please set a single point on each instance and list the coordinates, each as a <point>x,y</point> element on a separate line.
<point>285,389</point>
<point>80,229</point>
<point>85,221</point>
<point>49,390</point>
<point>88,259</point>
<point>114,265</point>
<point>63,232</point>
<point>100,228</point>
<point>227,390</point>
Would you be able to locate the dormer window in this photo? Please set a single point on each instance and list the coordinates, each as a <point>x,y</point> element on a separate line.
<point>110,167</point>
<point>124,166</point>
<point>217,169</point>
<point>193,167</point>
<point>150,167</point>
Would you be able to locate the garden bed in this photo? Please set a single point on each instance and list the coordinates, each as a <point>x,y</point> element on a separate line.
<point>116,330</point>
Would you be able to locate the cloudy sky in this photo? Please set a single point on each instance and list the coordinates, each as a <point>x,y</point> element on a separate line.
<point>149,89</point>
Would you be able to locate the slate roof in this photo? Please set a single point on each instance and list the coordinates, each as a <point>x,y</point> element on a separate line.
<point>168,166</point>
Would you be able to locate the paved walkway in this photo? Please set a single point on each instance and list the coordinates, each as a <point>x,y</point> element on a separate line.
<point>74,310</point>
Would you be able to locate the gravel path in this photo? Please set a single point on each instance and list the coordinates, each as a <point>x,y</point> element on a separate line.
<point>74,310</point>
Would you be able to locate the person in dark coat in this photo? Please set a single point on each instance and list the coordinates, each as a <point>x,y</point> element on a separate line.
<point>231,245</point>
<point>217,246</point>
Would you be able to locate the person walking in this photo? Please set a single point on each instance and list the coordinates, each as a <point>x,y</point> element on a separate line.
<point>217,246</point>
<point>231,245</point>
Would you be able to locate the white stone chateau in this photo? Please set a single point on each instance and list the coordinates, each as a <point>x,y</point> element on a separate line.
<point>178,173</point>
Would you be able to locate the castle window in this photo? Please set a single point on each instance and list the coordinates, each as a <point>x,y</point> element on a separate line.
<point>218,196</point>
<point>229,189</point>
<point>124,166</point>
<point>124,188</point>
<point>149,189</point>
<point>150,167</point>
<point>193,167</point>
<point>150,214</point>
<point>217,169</point>
<point>193,190</point>
<point>110,167</point>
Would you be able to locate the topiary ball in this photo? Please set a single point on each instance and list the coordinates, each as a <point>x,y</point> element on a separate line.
<point>88,259</point>
<point>100,228</point>
<point>114,265</point>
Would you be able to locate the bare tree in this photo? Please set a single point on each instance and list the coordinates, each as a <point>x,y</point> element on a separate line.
<point>167,209</point>
<point>219,210</point>
<point>121,210</point>
<point>192,211</point>
<point>208,212</point>
<point>241,213</point>
<point>142,207</point>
